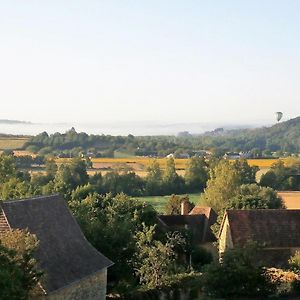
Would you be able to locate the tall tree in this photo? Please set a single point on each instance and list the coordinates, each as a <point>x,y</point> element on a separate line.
<point>246,172</point>
<point>18,269</point>
<point>7,167</point>
<point>222,185</point>
<point>196,174</point>
<point>154,179</point>
<point>154,258</point>
<point>173,183</point>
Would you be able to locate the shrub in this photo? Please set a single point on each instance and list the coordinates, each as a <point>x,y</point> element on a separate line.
<point>238,275</point>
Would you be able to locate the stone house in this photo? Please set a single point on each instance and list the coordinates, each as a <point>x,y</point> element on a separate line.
<point>197,220</point>
<point>73,268</point>
<point>277,231</point>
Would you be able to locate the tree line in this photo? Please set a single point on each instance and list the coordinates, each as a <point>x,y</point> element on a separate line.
<point>280,139</point>
<point>72,181</point>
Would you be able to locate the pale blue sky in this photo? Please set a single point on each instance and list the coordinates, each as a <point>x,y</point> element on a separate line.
<point>162,61</point>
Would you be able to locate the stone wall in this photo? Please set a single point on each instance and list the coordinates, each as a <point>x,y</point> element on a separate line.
<point>225,240</point>
<point>89,288</point>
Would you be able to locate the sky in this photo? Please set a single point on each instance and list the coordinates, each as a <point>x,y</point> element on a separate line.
<point>149,61</point>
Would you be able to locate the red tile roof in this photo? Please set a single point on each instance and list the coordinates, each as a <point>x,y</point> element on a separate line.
<point>207,211</point>
<point>271,227</point>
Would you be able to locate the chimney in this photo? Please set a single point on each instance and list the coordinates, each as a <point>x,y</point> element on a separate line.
<point>185,207</point>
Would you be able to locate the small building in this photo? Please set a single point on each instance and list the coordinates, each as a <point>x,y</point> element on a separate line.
<point>198,221</point>
<point>73,268</point>
<point>277,231</point>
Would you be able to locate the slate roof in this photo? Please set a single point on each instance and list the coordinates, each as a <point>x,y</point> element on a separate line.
<point>63,254</point>
<point>274,228</point>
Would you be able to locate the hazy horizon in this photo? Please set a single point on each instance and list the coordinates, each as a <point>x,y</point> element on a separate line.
<point>166,62</point>
<point>119,128</point>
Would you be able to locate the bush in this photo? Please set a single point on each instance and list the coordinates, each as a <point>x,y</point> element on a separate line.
<point>200,257</point>
<point>294,262</point>
<point>238,275</point>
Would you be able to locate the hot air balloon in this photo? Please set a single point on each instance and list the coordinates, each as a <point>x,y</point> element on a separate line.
<point>278,115</point>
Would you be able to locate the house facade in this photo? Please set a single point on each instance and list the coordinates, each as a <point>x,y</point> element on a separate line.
<point>277,231</point>
<point>73,268</point>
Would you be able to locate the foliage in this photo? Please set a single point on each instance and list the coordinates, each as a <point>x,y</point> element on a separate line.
<point>173,205</point>
<point>172,181</point>
<point>18,269</point>
<point>283,137</point>
<point>110,224</point>
<point>200,257</point>
<point>294,262</point>
<point>252,196</point>
<point>222,185</point>
<point>246,172</point>
<point>281,177</point>
<point>155,260</point>
<point>196,174</point>
<point>15,188</point>
<point>154,185</point>
<point>7,167</point>
<point>239,275</point>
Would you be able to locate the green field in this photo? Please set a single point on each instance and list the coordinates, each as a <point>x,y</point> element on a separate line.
<point>12,143</point>
<point>158,202</point>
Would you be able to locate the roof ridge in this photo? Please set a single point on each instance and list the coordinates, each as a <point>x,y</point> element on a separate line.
<point>29,199</point>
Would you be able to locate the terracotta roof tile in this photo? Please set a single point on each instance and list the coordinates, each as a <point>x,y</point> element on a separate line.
<point>271,227</point>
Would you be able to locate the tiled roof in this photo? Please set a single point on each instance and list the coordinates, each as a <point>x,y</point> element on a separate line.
<point>269,227</point>
<point>197,224</point>
<point>63,254</point>
<point>207,211</point>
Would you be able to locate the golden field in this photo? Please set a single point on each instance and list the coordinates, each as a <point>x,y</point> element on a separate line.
<point>140,164</point>
<point>12,143</point>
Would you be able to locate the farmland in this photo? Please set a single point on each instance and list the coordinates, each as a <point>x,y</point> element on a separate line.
<point>9,143</point>
<point>140,164</point>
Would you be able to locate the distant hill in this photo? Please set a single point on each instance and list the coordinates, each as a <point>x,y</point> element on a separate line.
<point>284,136</point>
<point>4,121</point>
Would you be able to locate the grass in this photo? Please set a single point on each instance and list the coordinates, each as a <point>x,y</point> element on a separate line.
<point>159,202</point>
<point>120,154</point>
<point>12,143</point>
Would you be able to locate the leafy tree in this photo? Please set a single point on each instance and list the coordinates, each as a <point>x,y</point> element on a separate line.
<point>246,172</point>
<point>281,177</point>
<point>15,189</point>
<point>154,179</point>
<point>82,191</point>
<point>50,168</point>
<point>7,167</point>
<point>173,205</point>
<point>252,196</point>
<point>155,260</point>
<point>294,262</point>
<point>223,185</point>
<point>239,275</point>
<point>196,174</point>
<point>172,181</point>
<point>18,269</point>
<point>78,171</point>
<point>63,182</point>
<point>110,224</point>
